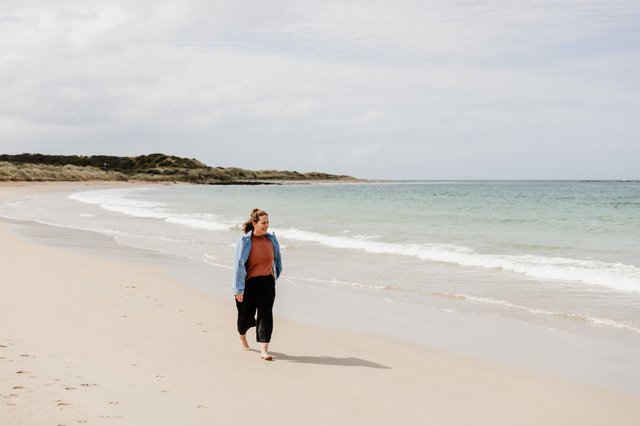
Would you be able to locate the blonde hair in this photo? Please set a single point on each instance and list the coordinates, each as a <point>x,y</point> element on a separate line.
<point>254,217</point>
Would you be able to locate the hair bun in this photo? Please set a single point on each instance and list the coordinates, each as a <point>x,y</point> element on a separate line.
<point>254,217</point>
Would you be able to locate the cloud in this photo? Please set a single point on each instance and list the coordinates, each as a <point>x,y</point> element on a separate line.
<point>373,88</point>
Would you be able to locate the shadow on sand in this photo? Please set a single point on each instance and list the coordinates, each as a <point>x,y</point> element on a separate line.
<point>328,360</point>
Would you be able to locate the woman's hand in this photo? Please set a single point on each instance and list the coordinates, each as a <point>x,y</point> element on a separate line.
<point>239,297</point>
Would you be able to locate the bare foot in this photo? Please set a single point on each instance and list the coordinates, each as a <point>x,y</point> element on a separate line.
<point>264,351</point>
<point>243,343</point>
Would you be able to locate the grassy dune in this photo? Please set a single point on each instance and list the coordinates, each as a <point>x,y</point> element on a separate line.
<point>152,168</point>
<point>44,172</point>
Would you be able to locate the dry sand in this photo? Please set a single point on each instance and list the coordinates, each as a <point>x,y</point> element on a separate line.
<point>98,341</point>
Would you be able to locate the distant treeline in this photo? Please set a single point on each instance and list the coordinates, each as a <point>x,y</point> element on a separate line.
<point>127,165</point>
<point>153,167</point>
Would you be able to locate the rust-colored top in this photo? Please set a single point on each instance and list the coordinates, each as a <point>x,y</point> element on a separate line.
<point>260,262</point>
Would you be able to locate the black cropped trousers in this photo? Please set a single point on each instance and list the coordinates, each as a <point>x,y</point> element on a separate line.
<point>259,295</point>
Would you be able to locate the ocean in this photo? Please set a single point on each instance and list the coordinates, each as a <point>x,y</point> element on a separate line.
<point>563,257</point>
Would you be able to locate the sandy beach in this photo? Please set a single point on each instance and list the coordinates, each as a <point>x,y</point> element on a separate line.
<point>87,339</point>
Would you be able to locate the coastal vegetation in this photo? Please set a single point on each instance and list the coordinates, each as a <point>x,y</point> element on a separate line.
<point>146,168</point>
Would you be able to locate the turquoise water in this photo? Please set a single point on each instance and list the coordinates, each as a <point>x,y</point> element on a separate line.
<point>563,255</point>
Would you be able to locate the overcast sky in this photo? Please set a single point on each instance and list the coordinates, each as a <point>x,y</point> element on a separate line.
<point>397,89</point>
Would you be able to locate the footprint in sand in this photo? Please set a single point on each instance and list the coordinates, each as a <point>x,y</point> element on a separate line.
<point>22,389</point>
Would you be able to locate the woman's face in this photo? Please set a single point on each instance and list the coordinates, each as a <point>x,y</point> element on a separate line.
<point>260,227</point>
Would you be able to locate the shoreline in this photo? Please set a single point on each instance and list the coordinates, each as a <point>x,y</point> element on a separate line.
<point>543,350</point>
<point>153,350</point>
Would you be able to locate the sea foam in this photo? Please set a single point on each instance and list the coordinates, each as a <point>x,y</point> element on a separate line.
<point>615,276</point>
<point>114,200</point>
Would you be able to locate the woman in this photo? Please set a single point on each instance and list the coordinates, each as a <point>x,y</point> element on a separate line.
<point>256,268</point>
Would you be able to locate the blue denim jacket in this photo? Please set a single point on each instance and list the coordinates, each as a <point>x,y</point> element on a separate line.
<point>243,248</point>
